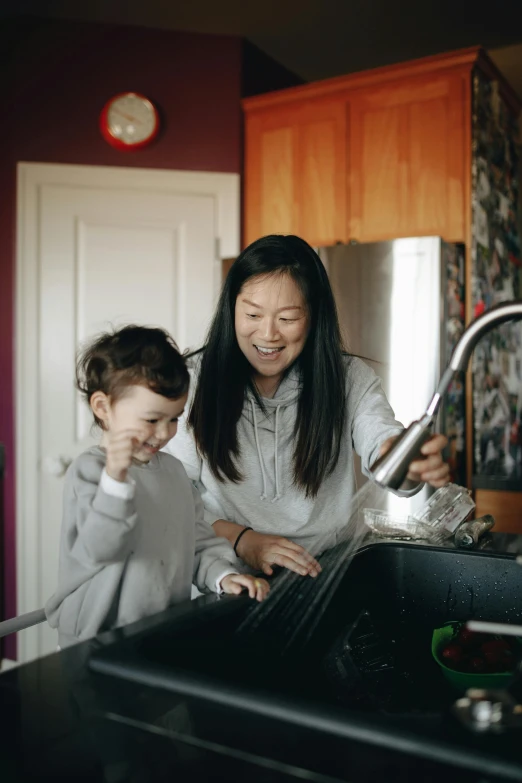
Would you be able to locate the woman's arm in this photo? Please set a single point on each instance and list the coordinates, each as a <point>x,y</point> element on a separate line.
<point>261,551</point>
<point>229,530</point>
<point>373,421</point>
<point>374,428</point>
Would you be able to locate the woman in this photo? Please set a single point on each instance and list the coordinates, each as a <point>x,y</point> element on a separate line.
<point>277,408</point>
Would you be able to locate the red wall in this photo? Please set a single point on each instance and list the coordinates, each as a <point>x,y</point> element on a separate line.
<point>55,78</point>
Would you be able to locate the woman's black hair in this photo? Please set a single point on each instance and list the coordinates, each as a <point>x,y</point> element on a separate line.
<point>132,355</point>
<point>225,373</point>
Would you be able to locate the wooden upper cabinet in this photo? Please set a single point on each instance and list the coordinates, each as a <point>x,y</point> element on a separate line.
<point>369,156</point>
<point>408,162</point>
<point>296,172</point>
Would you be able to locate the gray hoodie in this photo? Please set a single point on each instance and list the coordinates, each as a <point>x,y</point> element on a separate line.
<point>267,499</point>
<point>130,549</point>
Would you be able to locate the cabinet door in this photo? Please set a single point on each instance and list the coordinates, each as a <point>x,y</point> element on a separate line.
<point>409,161</point>
<point>295,172</point>
<point>505,506</point>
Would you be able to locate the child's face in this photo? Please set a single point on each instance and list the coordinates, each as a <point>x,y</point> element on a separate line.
<point>155,417</point>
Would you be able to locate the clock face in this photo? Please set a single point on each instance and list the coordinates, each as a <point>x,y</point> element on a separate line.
<point>129,121</point>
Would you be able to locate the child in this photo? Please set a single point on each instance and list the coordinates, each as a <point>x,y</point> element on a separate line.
<point>133,534</point>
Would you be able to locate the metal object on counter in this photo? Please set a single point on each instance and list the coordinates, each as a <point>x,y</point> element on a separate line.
<point>506,629</point>
<point>23,621</point>
<point>468,534</point>
<point>390,470</point>
<point>481,626</point>
<point>488,711</point>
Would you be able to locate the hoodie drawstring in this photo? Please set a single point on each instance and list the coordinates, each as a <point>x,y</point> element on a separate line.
<point>277,495</point>
<point>260,456</point>
<point>276,463</point>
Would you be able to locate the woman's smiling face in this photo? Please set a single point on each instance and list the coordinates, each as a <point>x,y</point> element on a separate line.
<point>272,324</point>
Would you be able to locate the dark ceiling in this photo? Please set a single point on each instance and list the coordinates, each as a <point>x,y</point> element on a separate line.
<point>314,38</point>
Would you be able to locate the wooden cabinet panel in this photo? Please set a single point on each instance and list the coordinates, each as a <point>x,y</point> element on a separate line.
<point>506,507</point>
<point>269,185</point>
<point>407,159</point>
<point>277,186</point>
<point>378,171</point>
<point>295,173</point>
<point>321,167</point>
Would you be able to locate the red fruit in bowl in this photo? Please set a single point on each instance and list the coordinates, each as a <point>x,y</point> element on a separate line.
<point>469,639</point>
<point>511,643</point>
<point>452,653</point>
<point>506,661</point>
<point>458,666</point>
<point>494,650</point>
<point>477,665</point>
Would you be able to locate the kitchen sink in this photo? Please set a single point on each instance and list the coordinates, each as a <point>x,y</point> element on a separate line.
<point>392,594</point>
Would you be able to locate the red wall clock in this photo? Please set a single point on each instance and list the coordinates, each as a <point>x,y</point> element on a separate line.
<point>129,121</point>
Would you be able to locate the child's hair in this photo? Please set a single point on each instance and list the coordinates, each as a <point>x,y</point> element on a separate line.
<point>132,356</point>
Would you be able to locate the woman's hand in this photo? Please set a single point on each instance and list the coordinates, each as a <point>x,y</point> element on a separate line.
<point>234,584</point>
<point>433,470</point>
<point>261,551</point>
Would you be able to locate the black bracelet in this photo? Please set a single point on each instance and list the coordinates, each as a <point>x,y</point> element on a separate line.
<point>238,539</point>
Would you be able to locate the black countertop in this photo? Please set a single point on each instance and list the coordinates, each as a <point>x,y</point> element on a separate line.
<point>60,721</point>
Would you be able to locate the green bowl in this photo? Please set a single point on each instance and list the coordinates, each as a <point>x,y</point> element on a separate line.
<point>462,680</point>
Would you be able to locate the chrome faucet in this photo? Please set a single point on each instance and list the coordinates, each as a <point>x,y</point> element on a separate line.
<point>480,710</point>
<point>390,470</point>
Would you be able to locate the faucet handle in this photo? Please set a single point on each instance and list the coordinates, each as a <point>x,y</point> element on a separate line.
<point>390,470</point>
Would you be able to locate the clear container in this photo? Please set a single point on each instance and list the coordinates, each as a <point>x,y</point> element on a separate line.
<point>447,508</point>
<point>389,525</point>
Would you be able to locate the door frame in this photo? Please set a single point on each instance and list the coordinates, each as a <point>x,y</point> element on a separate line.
<point>31,177</point>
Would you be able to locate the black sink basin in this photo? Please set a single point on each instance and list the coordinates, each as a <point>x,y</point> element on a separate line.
<point>401,592</point>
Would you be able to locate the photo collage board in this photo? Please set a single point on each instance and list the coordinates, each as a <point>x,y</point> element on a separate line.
<point>496,278</point>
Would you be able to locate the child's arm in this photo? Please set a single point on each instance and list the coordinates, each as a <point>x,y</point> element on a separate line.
<point>216,565</point>
<point>100,514</point>
<point>94,545</point>
<point>215,557</point>
<point>234,584</point>
<point>104,513</point>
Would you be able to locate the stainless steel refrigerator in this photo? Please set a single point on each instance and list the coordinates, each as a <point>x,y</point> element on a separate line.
<point>401,307</point>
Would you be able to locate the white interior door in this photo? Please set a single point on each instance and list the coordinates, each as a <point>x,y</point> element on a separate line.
<point>106,255</point>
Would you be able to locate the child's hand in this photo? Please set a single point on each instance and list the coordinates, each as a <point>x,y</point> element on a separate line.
<point>233,584</point>
<point>120,448</point>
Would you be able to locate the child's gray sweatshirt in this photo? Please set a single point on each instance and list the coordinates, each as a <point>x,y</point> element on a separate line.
<point>130,549</point>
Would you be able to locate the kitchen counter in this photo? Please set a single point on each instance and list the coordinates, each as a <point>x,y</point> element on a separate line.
<point>60,721</point>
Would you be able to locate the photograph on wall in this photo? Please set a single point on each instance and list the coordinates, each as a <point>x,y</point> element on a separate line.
<point>496,278</point>
<point>454,404</point>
